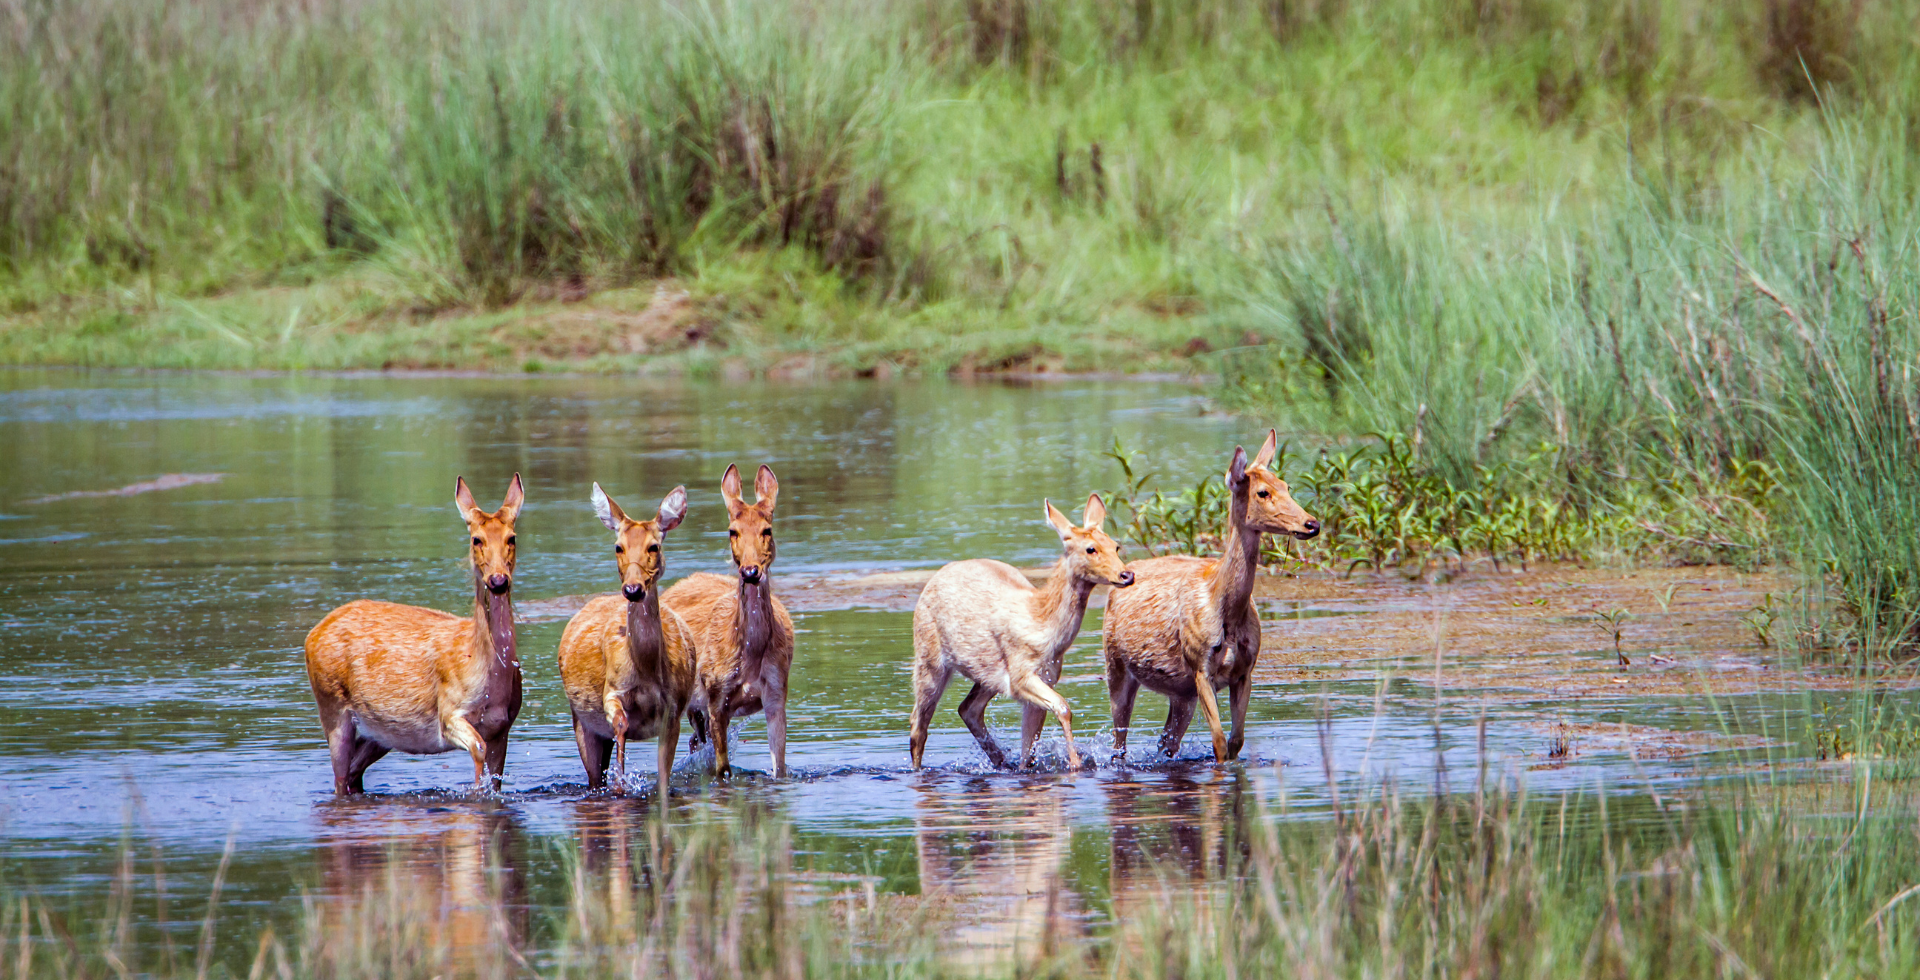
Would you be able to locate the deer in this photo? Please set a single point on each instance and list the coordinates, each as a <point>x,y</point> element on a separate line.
<point>388,676</point>
<point>982,619</point>
<point>742,635</point>
<point>627,665</point>
<point>1189,625</point>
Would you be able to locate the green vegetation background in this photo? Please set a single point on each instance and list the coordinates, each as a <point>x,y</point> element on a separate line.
<point>1581,276</point>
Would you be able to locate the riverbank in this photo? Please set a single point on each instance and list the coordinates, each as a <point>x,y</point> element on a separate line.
<point>920,188</point>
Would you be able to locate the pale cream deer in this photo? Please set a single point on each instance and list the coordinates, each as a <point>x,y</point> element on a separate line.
<point>742,635</point>
<point>1188,626</point>
<point>627,665</point>
<point>388,676</point>
<point>982,619</point>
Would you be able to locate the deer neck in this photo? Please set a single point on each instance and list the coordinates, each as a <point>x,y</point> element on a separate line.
<point>646,640</point>
<point>1232,585</point>
<point>753,623</point>
<point>1060,605</point>
<point>493,645</point>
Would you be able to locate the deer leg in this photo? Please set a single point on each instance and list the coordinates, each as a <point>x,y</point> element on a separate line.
<point>366,752</point>
<point>928,685</point>
<point>722,713</point>
<point>973,710</point>
<point>593,753</point>
<point>1035,691</point>
<point>1211,709</point>
<point>497,759</point>
<point>617,717</point>
<point>1239,693</point>
<point>1179,716</point>
<point>1122,689</point>
<point>773,702</point>
<point>461,732</point>
<point>698,719</point>
<point>669,740</point>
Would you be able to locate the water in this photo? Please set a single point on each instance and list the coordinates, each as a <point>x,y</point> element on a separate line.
<point>152,686</point>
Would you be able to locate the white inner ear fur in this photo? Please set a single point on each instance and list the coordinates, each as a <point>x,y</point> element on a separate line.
<point>602,510</point>
<point>672,509</point>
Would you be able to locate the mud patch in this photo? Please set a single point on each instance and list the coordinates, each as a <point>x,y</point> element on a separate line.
<point>172,481</point>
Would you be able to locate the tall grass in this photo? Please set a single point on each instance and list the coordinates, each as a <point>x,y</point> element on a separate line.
<point>1663,345</point>
<point>978,167</point>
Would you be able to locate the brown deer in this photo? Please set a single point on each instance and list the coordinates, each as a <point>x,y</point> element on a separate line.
<point>982,618</point>
<point>388,676</point>
<point>628,666</point>
<point>1189,624</point>
<point>741,633</point>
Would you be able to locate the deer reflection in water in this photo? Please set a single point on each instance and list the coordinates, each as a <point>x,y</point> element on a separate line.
<point>1172,833</point>
<point>993,866</point>
<point>441,888</point>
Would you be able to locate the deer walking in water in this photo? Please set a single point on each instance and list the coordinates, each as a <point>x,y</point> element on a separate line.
<point>1189,625</point>
<point>742,635</point>
<point>983,619</point>
<point>626,664</point>
<point>388,676</point>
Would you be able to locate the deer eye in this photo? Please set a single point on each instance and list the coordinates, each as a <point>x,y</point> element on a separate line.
<point>653,549</point>
<point>733,532</point>
<point>619,549</point>
<point>509,540</point>
<point>477,542</point>
<point>1262,493</point>
<point>1091,549</point>
<point>767,533</point>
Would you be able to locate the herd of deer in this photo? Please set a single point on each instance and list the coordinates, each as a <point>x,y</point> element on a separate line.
<point>388,676</point>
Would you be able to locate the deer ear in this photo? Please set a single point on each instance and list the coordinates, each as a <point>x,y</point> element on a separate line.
<point>766,488</point>
<point>463,498</point>
<point>609,512</point>
<point>516,495</point>
<point>672,509</point>
<point>1264,458</point>
<point>1237,470</point>
<point>730,490</point>
<point>1096,513</point>
<point>1057,519</point>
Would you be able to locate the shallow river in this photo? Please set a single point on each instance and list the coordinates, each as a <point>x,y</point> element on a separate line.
<point>151,674</point>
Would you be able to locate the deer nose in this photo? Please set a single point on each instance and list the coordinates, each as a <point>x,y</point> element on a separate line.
<point>1313,528</point>
<point>634,592</point>
<point>750,573</point>
<point>1126,579</point>
<point>497,583</point>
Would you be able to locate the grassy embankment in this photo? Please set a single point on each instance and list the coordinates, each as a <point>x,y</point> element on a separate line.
<point>922,186</point>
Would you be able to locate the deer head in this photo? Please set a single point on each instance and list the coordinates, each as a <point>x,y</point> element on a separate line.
<point>750,526</point>
<point>636,544</point>
<point>1270,507</point>
<point>492,549</point>
<point>1090,554</point>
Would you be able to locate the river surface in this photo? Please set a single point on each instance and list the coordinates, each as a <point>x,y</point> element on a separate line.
<point>153,694</point>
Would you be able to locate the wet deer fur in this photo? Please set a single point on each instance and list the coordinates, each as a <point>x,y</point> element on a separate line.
<point>1188,626</point>
<point>982,619</point>
<point>388,676</point>
<point>627,665</point>
<point>742,635</point>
